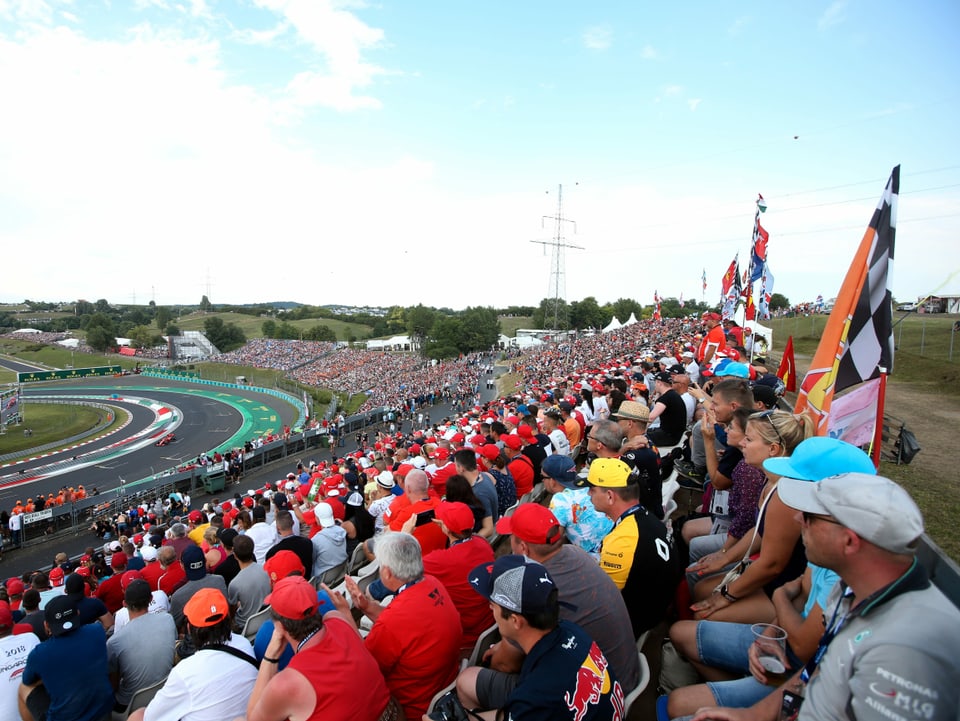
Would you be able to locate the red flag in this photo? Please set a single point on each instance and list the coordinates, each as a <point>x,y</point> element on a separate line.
<point>729,278</point>
<point>751,311</point>
<point>787,372</point>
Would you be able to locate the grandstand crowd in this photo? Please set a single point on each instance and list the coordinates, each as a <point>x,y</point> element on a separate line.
<point>511,560</point>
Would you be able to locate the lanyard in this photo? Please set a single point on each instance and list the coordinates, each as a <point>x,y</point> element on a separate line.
<point>629,511</point>
<point>914,579</point>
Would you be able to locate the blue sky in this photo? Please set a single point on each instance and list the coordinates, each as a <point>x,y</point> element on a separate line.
<point>404,152</point>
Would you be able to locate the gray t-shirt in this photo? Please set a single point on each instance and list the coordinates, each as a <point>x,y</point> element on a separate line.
<point>330,549</point>
<point>600,610</point>
<point>485,489</point>
<point>141,653</point>
<point>247,591</point>
<point>896,660</point>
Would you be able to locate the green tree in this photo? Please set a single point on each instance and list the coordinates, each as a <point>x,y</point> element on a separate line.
<point>622,308</point>
<point>101,306</point>
<point>322,333</point>
<point>101,332</point>
<point>172,329</point>
<point>269,329</point>
<point>481,329</point>
<point>419,321</point>
<point>83,307</point>
<point>588,314</point>
<point>544,315</point>
<point>225,336</point>
<point>205,305</point>
<point>779,302</point>
<point>163,316</point>
<point>142,336</point>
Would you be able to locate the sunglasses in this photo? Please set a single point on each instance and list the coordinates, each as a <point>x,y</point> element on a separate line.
<point>809,518</point>
<point>767,415</point>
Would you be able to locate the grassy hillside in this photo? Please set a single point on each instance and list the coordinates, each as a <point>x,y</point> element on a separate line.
<point>251,325</point>
<point>509,324</point>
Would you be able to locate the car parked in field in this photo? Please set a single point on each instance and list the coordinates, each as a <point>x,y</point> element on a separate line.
<point>907,307</point>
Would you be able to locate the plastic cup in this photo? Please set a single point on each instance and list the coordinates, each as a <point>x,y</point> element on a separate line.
<point>771,644</point>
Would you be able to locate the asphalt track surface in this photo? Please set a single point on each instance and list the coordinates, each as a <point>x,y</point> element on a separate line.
<point>41,555</point>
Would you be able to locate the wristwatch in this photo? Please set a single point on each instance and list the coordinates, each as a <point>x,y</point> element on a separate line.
<point>727,595</point>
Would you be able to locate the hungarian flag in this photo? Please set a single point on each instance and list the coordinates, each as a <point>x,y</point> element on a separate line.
<point>730,277</point>
<point>787,372</point>
<point>758,255</point>
<point>858,338</point>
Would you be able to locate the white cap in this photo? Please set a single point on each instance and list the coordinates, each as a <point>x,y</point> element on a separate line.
<point>324,515</point>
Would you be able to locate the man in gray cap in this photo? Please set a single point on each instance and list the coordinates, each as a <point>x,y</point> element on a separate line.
<point>889,650</point>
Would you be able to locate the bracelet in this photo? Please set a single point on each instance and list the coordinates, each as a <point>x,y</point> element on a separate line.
<point>270,660</point>
<point>727,595</point>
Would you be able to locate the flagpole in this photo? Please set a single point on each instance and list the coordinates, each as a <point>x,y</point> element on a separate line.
<point>878,431</point>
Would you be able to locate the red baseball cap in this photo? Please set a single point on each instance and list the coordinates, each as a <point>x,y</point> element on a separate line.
<point>440,454</point>
<point>56,576</point>
<point>455,516</point>
<point>293,597</point>
<point>525,431</point>
<point>195,517</point>
<point>532,523</point>
<point>129,576</point>
<point>282,564</point>
<point>403,470</point>
<point>14,586</point>
<point>512,441</point>
<point>490,452</point>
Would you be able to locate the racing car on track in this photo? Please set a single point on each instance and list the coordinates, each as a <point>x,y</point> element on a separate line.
<point>166,440</point>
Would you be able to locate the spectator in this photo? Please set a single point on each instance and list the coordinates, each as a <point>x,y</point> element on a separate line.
<point>135,651</point>
<point>583,524</point>
<point>229,568</point>
<point>330,658</point>
<point>330,544</point>
<point>290,541</point>
<point>215,682</point>
<point>90,609</point>
<point>870,663</point>
<point>560,657</point>
<point>33,614</point>
<point>249,587</point>
<point>195,570</point>
<point>450,567</point>
<point>263,534</point>
<point>14,651</point>
<point>66,675</point>
<point>415,665</point>
<point>637,554</point>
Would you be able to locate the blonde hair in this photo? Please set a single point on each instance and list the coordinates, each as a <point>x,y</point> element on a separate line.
<point>787,430</point>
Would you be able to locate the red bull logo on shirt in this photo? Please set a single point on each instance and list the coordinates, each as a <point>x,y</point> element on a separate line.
<point>593,681</point>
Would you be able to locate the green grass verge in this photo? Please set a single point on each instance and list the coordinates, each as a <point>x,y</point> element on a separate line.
<point>509,324</point>
<point>252,325</point>
<point>50,423</point>
<point>263,377</point>
<point>53,356</point>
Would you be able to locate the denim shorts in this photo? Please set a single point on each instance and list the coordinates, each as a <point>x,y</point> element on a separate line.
<point>726,645</point>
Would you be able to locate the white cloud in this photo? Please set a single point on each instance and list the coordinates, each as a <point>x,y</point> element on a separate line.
<point>649,53</point>
<point>598,37</point>
<point>833,15</point>
<point>738,25</point>
<point>692,103</point>
<point>673,90</point>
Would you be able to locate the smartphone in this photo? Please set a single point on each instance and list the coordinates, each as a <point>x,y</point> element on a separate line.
<point>425,517</point>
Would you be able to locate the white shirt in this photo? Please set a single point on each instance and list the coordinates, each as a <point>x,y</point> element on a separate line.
<point>159,603</point>
<point>208,686</point>
<point>264,536</point>
<point>560,443</point>
<point>14,651</point>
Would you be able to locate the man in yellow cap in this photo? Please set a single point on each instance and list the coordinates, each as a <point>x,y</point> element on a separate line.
<point>637,554</point>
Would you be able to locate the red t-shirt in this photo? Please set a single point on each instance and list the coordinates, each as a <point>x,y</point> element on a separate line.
<point>438,481</point>
<point>522,471</point>
<point>171,579</point>
<point>451,567</point>
<point>416,643</point>
<point>430,535</point>
<point>110,593</point>
<point>333,667</point>
<point>714,337</point>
